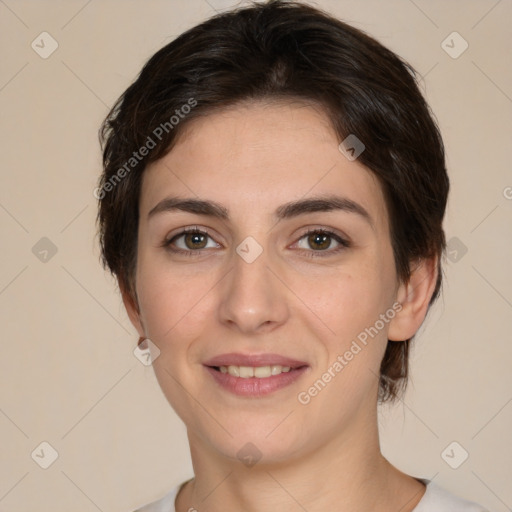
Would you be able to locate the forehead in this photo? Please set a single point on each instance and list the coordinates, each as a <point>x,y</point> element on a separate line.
<point>254,157</point>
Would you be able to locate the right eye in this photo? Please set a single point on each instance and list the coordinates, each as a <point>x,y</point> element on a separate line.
<point>193,238</point>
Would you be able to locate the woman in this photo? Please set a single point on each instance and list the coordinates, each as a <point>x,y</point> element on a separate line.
<point>271,204</point>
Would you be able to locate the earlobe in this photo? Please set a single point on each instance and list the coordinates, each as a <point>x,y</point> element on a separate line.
<point>414,296</point>
<point>132,309</point>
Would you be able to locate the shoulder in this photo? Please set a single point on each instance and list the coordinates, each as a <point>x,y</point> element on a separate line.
<point>438,499</point>
<point>435,499</point>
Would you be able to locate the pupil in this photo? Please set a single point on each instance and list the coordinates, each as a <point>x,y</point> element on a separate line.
<point>319,239</point>
<point>195,238</point>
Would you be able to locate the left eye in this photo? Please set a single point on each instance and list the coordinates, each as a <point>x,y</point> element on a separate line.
<point>321,240</point>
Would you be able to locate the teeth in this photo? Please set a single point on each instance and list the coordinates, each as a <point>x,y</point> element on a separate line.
<point>234,370</point>
<point>245,372</point>
<point>276,369</point>
<point>260,372</point>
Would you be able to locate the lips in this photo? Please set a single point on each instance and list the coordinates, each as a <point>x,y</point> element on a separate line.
<point>254,360</point>
<point>254,375</point>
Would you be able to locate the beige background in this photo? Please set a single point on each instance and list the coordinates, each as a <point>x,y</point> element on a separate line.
<point>68,374</point>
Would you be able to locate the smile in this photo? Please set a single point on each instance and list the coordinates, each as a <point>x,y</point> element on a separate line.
<point>260,372</point>
<point>254,382</point>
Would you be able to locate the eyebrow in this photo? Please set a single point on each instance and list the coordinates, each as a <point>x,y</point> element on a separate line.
<point>286,211</point>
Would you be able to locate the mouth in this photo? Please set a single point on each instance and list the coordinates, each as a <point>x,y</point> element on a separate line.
<point>256,375</point>
<point>258,372</point>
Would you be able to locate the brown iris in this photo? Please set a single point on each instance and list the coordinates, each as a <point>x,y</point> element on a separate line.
<point>195,238</point>
<point>319,239</point>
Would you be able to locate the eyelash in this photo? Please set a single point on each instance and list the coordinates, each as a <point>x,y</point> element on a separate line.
<point>344,244</point>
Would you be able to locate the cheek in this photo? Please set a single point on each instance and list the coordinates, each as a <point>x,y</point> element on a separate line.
<point>351,305</point>
<point>171,303</point>
<point>345,302</point>
<point>173,310</point>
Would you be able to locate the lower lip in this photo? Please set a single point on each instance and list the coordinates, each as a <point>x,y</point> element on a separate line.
<point>254,386</point>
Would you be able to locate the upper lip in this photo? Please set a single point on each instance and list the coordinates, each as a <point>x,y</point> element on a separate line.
<point>235,359</point>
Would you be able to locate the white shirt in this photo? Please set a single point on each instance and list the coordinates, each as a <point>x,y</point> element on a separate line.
<point>435,499</point>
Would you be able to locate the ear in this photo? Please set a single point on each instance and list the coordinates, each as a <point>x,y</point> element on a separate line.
<point>414,297</point>
<point>132,309</point>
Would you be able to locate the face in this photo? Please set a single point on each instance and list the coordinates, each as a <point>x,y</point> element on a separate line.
<point>257,283</point>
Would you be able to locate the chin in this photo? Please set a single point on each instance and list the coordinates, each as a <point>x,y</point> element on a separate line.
<point>258,445</point>
<point>261,451</point>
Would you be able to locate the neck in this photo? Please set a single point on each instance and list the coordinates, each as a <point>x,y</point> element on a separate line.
<point>346,473</point>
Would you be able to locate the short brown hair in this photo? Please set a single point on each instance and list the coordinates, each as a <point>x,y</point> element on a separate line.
<point>284,50</point>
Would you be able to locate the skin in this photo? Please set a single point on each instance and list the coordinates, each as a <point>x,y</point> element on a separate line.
<point>321,456</point>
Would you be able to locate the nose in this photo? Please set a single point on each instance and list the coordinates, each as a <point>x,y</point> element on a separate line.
<point>252,296</point>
